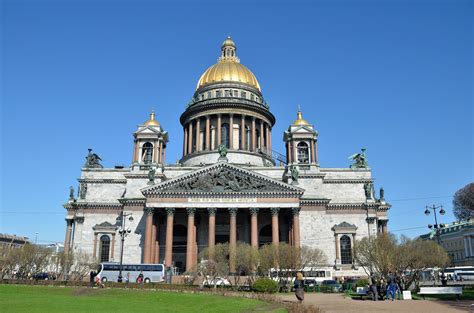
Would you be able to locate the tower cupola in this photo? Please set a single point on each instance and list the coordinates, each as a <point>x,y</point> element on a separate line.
<point>149,144</point>
<point>301,140</point>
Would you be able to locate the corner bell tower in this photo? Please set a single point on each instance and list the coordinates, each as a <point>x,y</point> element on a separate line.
<point>301,140</point>
<point>150,141</point>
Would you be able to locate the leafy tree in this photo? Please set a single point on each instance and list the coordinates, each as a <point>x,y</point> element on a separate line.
<point>463,202</point>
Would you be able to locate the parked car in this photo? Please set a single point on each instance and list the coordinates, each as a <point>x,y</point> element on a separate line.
<point>332,285</point>
<point>43,276</point>
<point>219,282</point>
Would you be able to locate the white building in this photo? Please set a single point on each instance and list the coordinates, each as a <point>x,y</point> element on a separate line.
<point>245,192</point>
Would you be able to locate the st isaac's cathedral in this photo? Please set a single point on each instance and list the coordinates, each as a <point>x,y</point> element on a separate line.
<point>229,185</point>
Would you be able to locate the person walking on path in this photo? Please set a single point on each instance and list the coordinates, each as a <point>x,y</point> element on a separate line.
<point>299,287</point>
<point>391,288</point>
<point>373,287</point>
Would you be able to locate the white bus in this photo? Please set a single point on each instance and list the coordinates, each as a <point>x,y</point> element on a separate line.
<point>151,272</point>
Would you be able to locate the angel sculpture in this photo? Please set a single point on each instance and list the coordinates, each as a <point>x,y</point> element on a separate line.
<point>360,160</point>
<point>92,160</point>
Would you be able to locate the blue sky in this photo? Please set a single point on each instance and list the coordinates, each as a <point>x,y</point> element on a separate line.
<point>395,77</point>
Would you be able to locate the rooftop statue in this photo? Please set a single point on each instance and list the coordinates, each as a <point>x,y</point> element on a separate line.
<point>71,193</point>
<point>294,175</point>
<point>222,149</point>
<point>92,160</point>
<point>360,160</point>
<point>151,176</point>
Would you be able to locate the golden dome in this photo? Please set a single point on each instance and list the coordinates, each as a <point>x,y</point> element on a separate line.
<point>152,121</point>
<point>228,69</point>
<point>300,120</point>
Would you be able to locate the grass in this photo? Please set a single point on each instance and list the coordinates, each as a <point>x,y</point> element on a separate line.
<point>39,299</point>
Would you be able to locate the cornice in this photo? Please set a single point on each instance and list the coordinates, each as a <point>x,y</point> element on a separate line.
<point>92,205</point>
<point>133,201</point>
<point>223,102</point>
<point>347,181</point>
<point>311,202</point>
<point>102,181</point>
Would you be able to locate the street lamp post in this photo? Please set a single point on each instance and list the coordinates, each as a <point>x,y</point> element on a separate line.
<point>123,233</point>
<point>436,226</point>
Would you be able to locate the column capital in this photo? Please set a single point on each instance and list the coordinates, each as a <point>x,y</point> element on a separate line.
<point>233,211</point>
<point>148,210</point>
<point>211,211</point>
<point>275,211</point>
<point>295,211</point>
<point>191,211</point>
<point>170,211</point>
<point>254,211</point>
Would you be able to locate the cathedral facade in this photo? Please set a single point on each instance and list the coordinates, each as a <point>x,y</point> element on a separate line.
<point>229,185</point>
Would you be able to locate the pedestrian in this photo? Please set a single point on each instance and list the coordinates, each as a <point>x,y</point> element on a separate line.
<point>299,287</point>
<point>98,282</point>
<point>391,286</point>
<point>127,279</point>
<point>91,278</point>
<point>140,279</point>
<point>373,287</point>
<point>398,286</point>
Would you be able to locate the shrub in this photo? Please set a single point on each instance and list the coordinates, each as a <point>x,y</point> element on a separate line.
<point>265,285</point>
<point>363,282</point>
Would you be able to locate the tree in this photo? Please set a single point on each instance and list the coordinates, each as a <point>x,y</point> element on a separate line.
<point>82,264</point>
<point>463,202</point>
<point>384,253</point>
<point>215,263</point>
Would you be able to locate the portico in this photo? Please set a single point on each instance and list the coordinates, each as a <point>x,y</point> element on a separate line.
<point>255,210</point>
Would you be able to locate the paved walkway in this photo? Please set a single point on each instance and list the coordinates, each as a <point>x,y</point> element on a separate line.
<point>337,303</point>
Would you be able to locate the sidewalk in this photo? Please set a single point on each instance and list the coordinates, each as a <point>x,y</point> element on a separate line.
<point>337,303</point>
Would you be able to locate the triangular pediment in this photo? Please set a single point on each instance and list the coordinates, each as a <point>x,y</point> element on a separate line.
<point>303,129</point>
<point>223,179</point>
<point>148,130</point>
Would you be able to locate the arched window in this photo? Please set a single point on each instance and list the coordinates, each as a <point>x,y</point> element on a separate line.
<point>303,153</point>
<point>225,135</point>
<point>346,250</point>
<point>104,248</point>
<point>147,154</point>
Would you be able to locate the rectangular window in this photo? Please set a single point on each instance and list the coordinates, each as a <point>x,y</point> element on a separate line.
<point>218,93</point>
<point>236,93</point>
<point>227,93</point>
<point>243,94</point>
<point>208,94</point>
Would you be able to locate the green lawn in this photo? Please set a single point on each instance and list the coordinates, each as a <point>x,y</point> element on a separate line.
<point>36,299</point>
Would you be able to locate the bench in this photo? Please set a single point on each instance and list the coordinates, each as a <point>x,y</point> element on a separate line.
<point>441,291</point>
<point>361,292</point>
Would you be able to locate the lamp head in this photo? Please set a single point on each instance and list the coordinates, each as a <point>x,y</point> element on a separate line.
<point>430,226</point>
<point>427,212</point>
<point>442,211</point>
